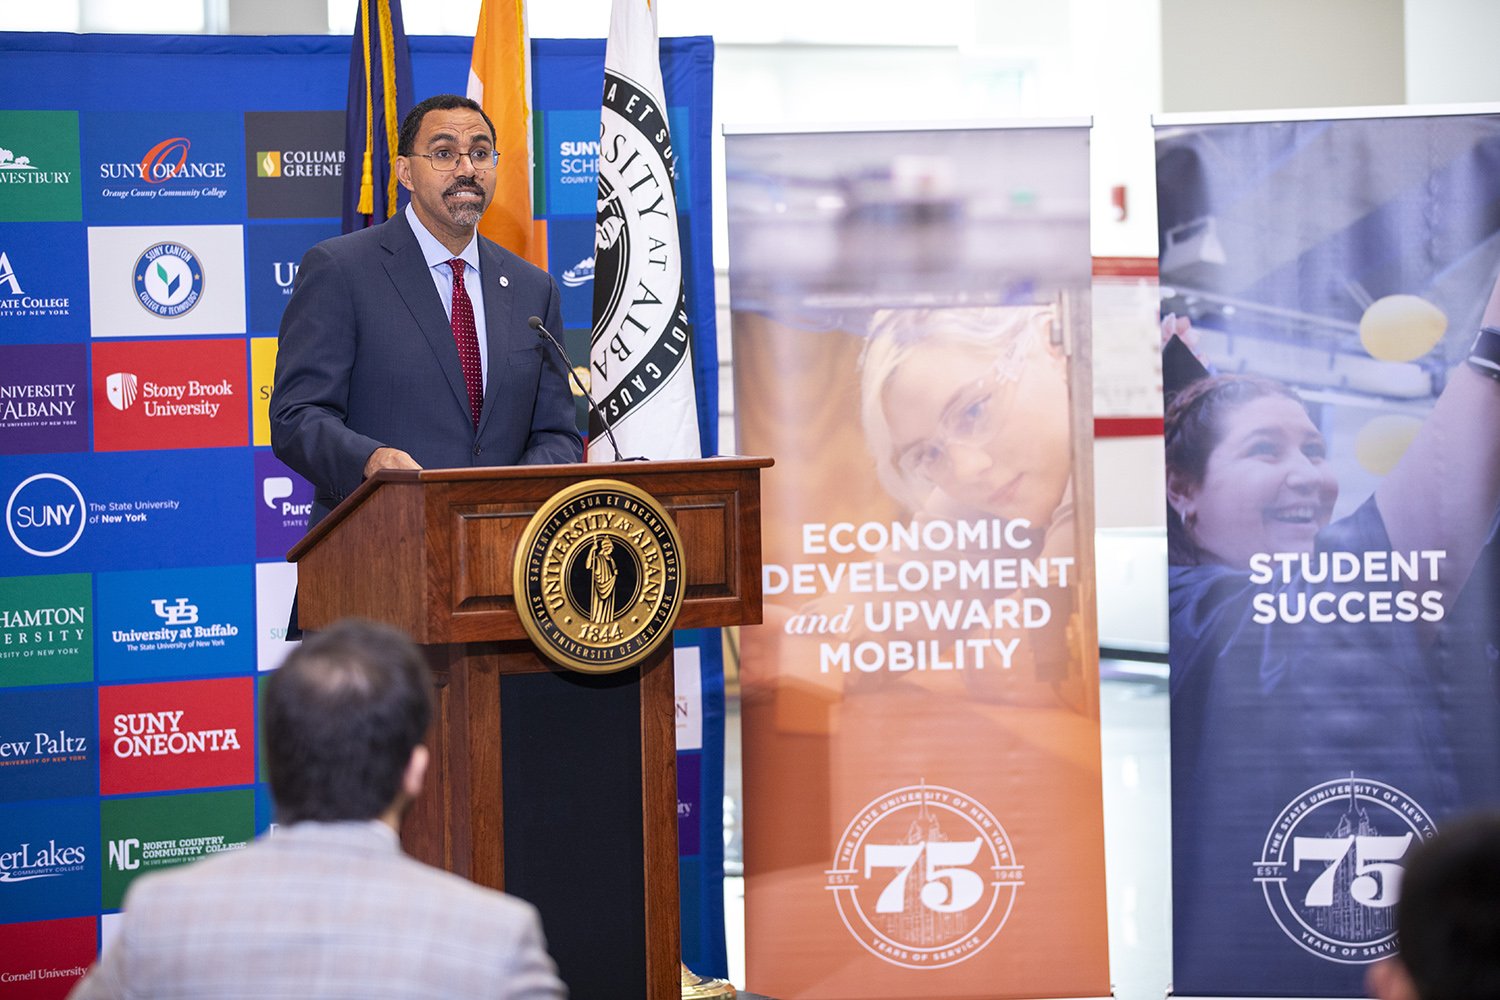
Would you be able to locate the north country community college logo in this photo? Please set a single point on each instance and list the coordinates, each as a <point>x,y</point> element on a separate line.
<point>598,576</point>
<point>924,877</point>
<point>1331,867</point>
<point>168,280</point>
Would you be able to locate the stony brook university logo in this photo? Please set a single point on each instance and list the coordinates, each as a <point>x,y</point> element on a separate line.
<point>121,389</point>
<point>168,280</point>
<point>598,576</point>
<point>1331,867</point>
<point>924,877</point>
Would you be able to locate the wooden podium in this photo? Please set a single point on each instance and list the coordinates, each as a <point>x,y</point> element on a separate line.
<point>557,786</point>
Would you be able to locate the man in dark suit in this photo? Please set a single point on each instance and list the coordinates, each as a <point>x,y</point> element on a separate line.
<point>406,345</point>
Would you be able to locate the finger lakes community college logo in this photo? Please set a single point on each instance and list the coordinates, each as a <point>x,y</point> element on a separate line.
<point>598,576</point>
<point>168,280</point>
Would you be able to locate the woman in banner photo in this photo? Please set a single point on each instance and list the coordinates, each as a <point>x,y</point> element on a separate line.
<point>967,415</point>
<point>1305,649</point>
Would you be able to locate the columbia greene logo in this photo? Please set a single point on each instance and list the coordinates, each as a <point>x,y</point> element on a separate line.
<point>924,877</point>
<point>168,280</point>
<point>598,576</point>
<point>1331,867</point>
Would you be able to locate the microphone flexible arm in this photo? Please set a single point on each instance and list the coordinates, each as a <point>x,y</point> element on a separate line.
<point>535,323</point>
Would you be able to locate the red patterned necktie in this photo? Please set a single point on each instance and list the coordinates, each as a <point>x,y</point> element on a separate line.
<point>467,338</point>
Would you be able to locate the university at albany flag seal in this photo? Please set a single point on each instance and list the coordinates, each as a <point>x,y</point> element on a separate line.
<point>641,345</point>
<point>598,576</point>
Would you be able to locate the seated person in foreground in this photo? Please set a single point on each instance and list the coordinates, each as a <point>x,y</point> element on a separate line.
<point>1448,918</point>
<point>328,905</point>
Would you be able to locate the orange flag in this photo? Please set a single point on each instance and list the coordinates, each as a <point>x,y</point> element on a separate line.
<point>500,80</point>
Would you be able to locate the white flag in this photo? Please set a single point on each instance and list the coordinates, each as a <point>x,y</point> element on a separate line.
<point>640,356</point>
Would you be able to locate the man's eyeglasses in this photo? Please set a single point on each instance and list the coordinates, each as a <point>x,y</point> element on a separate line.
<point>446,160</point>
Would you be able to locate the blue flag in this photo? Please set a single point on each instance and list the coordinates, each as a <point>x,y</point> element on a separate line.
<point>379,97</point>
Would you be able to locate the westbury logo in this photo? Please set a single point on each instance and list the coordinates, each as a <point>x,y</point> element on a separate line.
<point>45,514</point>
<point>10,161</point>
<point>168,280</point>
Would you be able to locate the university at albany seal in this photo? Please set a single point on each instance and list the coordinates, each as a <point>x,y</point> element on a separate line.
<point>598,576</point>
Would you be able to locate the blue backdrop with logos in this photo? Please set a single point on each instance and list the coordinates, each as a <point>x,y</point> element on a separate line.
<point>149,237</point>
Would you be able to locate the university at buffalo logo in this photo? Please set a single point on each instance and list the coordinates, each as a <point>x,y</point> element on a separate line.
<point>598,576</point>
<point>1331,869</point>
<point>924,877</point>
<point>168,280</point>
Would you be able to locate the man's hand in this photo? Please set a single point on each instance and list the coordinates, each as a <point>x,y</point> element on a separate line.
<point>388,458</point>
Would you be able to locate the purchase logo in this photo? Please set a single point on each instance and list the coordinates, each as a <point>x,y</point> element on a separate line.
<point>598,576</point>
<point>283,509</point>
<point>924,877</point>
<point>1331,867</point>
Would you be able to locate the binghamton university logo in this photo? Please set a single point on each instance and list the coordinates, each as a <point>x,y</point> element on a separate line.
<point>1331,867</point>
<point>924,877</point>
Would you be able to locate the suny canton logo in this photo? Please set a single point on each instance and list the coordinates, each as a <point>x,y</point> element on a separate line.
<point>45,514</point>
<point>1358,830</point>
<point>168,280</point>
<point>924,877</point>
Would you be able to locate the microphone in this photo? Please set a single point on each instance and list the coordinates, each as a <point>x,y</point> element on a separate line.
<point>535,323</point>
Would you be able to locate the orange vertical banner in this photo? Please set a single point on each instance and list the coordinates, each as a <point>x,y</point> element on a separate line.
<point>500,80</point>
<point>923,812</point>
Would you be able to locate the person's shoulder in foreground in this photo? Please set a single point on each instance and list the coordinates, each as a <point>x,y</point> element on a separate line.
<point>327,905</point>
<point>1447,918</point>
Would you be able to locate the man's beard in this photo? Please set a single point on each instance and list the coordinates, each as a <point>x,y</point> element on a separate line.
<point>464,213</point>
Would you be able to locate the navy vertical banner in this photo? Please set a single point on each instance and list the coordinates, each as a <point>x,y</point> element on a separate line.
<point>145,259</point>
<point>1332,479</point>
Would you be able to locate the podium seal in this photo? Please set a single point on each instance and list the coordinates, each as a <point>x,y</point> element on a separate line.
<point>598,576</point>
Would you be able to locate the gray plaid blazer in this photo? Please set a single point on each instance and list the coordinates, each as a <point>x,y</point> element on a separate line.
<point>322,910</point>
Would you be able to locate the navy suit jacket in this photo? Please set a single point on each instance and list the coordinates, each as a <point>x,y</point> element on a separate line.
<point>367,359</point>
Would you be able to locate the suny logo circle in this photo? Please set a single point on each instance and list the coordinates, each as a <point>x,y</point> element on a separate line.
<point>49,511</point>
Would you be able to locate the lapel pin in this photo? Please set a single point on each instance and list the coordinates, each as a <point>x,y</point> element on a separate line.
<point>504,281</point>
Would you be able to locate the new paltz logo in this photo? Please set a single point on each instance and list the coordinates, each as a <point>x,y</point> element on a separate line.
<point>168,280</point>
<point>598,576</point>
